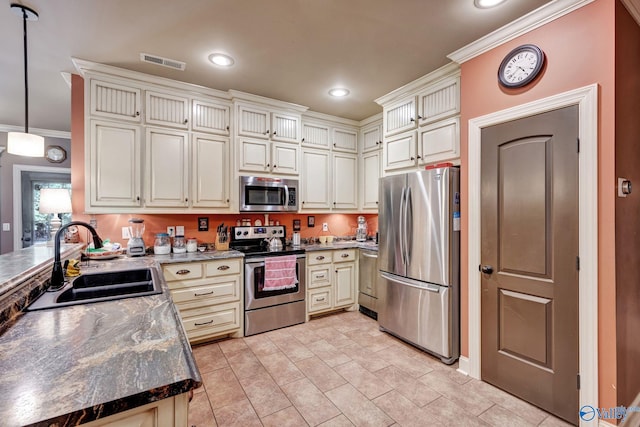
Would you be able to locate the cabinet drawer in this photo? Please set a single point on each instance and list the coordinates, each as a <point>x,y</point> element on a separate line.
<point>319,299</point>
<point>344,255</point>
<point>318,257</point>
<point>223,267</point>
<point>319,276</point>
<point>208,293</point>
<point>173,272</point>
<point>219,319</point>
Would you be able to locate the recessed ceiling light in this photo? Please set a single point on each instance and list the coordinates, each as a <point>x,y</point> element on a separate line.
<point>221,59</point>
<point>339,92</point>
<point>485,4</point>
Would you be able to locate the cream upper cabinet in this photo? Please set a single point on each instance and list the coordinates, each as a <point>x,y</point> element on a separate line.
<point>440,100</point>
<point>315,135</point>
<point>400,151</point>
<point>345,181</point>
<point>210,174</point>
<point>400,116</point>
<point>439,141</point>
<point>211,117</point>
<point>345,140</point>
<point>167,165</point>
<point>370,167</point>
<point>164,109</point>
<point>262,123</point>
<point>115,101</point>
<point>112,164</point>
<point>371,137</point>
<point>315,180</point>
<point>255,155</point>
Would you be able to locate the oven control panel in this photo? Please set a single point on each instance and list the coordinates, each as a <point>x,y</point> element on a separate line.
<point>262,232</point>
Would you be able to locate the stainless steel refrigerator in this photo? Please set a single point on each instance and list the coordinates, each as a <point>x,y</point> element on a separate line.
<point>419,259</point>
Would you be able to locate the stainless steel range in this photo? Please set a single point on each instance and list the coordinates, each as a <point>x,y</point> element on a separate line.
<point>274,278</point>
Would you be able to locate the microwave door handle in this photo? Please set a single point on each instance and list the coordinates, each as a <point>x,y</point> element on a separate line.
<point>286,196</point>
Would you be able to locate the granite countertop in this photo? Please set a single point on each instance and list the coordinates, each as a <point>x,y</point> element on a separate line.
<point>79,363</point>
<point>341,244</point>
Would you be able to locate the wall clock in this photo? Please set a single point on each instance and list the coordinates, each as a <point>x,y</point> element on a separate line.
<point>55,154</point>
<point>521,66</point>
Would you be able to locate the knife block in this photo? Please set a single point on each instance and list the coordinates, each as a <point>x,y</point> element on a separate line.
<point>221,246</point>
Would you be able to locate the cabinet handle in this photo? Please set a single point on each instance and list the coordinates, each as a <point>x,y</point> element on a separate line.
<point>344,256</point>
<point>275,166</point>
<point>412,119</point>
<point>334,144</point>
<point>227,127</point>
<point>186,121</point>
<point>137,114</point>
<point>137,198</point>
<point>303,202</point>
<point>183,272</point>
<point>320,299</point>
<point>228,201</point>
<point>334,203</point>
<point>274,132</point>
<point>376,202</point>
<point>199,295</point>
<point>320,257</point>
<point>320,276</point>
<point>186,199</point>
<point>268,164</point>
<point>223,267</point>
<point>266,132</point>
<point>419,116</point>
<point>419,157</point>
<point>205,323</point>
<point>302,139</point>
<point>413,158</point>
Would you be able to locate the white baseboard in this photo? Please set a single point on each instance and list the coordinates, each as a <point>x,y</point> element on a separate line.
<point>463,365</point>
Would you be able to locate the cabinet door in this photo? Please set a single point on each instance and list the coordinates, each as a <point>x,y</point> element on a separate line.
<point>345,181</point>
<point>253,122</point>
<point>285,127</point>
<point>210,117</point>
<point>166,110</point>
<point>285,159</point>
<point>315,135</point>
<point>115,101</point>
<point>210,171</point>
<point>440,141</point>
<point>254,155</point>
<point>400,151</point>
<point>315,180</point>
<point>167,158</point>
<point>344,284</point>
<point>345,140</point>
<point>371,165</point>
<point>114,164</point>
<point>371,138</point>
<point>400,117</point>
<point>440,101</point>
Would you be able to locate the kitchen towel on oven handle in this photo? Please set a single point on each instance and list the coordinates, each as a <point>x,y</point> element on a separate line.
<point>280,273</point>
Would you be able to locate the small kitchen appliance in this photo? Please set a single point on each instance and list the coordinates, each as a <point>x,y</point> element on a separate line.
<point>135,247</point>
<point>361,231</point>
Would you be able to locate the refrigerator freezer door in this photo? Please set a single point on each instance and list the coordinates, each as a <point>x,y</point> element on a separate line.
<point>428,230</point>
<point>420,313</point>
<point>390,249</point>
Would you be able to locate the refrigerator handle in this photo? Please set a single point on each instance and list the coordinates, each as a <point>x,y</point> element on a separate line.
<point>408,225</point>
<point>401,224</point>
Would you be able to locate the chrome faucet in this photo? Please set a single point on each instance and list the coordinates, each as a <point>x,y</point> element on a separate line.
<point>57,275</point>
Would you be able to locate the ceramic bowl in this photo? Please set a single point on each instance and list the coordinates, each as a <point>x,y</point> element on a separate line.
<point>323,239</point>
<point>329,239</point>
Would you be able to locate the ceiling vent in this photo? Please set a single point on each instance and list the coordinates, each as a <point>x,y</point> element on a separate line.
<point>165,62</point>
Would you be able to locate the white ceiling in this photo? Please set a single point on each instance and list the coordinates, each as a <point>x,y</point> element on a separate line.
<point>292,50</point>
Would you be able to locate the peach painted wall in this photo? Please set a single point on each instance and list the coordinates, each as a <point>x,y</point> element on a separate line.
<point>580,51</point>
<point>109,226</point>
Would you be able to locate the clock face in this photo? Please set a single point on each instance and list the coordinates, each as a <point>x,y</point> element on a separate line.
<point>56,154</point>
<point>521,66</point>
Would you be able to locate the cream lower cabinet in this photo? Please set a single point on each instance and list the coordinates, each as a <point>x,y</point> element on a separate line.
<point>208,295</point>
<point>170,412</point>
<point>331,280</point>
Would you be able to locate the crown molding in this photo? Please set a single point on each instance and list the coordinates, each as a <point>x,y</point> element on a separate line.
<point>47,133</point>
<point>633,6</point>
<point>534,19</point>
<point>237,95</point>
<point>372,119</point>
<point>329,118</point>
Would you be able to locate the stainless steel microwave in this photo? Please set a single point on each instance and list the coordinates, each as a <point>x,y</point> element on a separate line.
<point>260,194</point>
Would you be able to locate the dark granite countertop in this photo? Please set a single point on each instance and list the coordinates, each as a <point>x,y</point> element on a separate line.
<point>341,244</point>
<point>79,363</point>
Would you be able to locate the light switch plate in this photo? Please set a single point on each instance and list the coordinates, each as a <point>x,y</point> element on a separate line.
<point>180,230</point>
<point>6,226</point>
<point>125,233</point>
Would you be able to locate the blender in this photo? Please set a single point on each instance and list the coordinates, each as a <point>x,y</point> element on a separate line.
<point>361,231</point>
<point>135,247</point>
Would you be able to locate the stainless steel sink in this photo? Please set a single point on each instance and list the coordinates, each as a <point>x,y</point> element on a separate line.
<point>101,286</point>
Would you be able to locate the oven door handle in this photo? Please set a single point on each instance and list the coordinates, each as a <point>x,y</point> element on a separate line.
<point>260,260</point>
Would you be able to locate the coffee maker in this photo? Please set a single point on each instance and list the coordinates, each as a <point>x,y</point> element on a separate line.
<point>361,231</point>
<point>135,247</point>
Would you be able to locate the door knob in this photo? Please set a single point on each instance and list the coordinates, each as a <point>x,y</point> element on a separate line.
<point>487,269</point>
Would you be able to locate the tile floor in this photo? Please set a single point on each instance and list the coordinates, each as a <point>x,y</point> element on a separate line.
<point>340,370</point>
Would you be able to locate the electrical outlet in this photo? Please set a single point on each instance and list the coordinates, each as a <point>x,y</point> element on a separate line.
<point>6,226</point>
<point>171,231</point>
<point>180,230</point>
<point>125,233</point>
<point>93,222</point>
<point>325,226</point>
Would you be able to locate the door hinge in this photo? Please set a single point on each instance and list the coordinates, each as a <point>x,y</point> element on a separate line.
<point>578,263</point>
<point>578,381</point>
<point>578,140</point>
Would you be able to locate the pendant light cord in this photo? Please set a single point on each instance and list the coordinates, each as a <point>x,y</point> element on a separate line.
<point>26,80</point>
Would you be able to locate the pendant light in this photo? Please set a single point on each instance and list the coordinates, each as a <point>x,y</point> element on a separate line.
<point>25,143</point>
